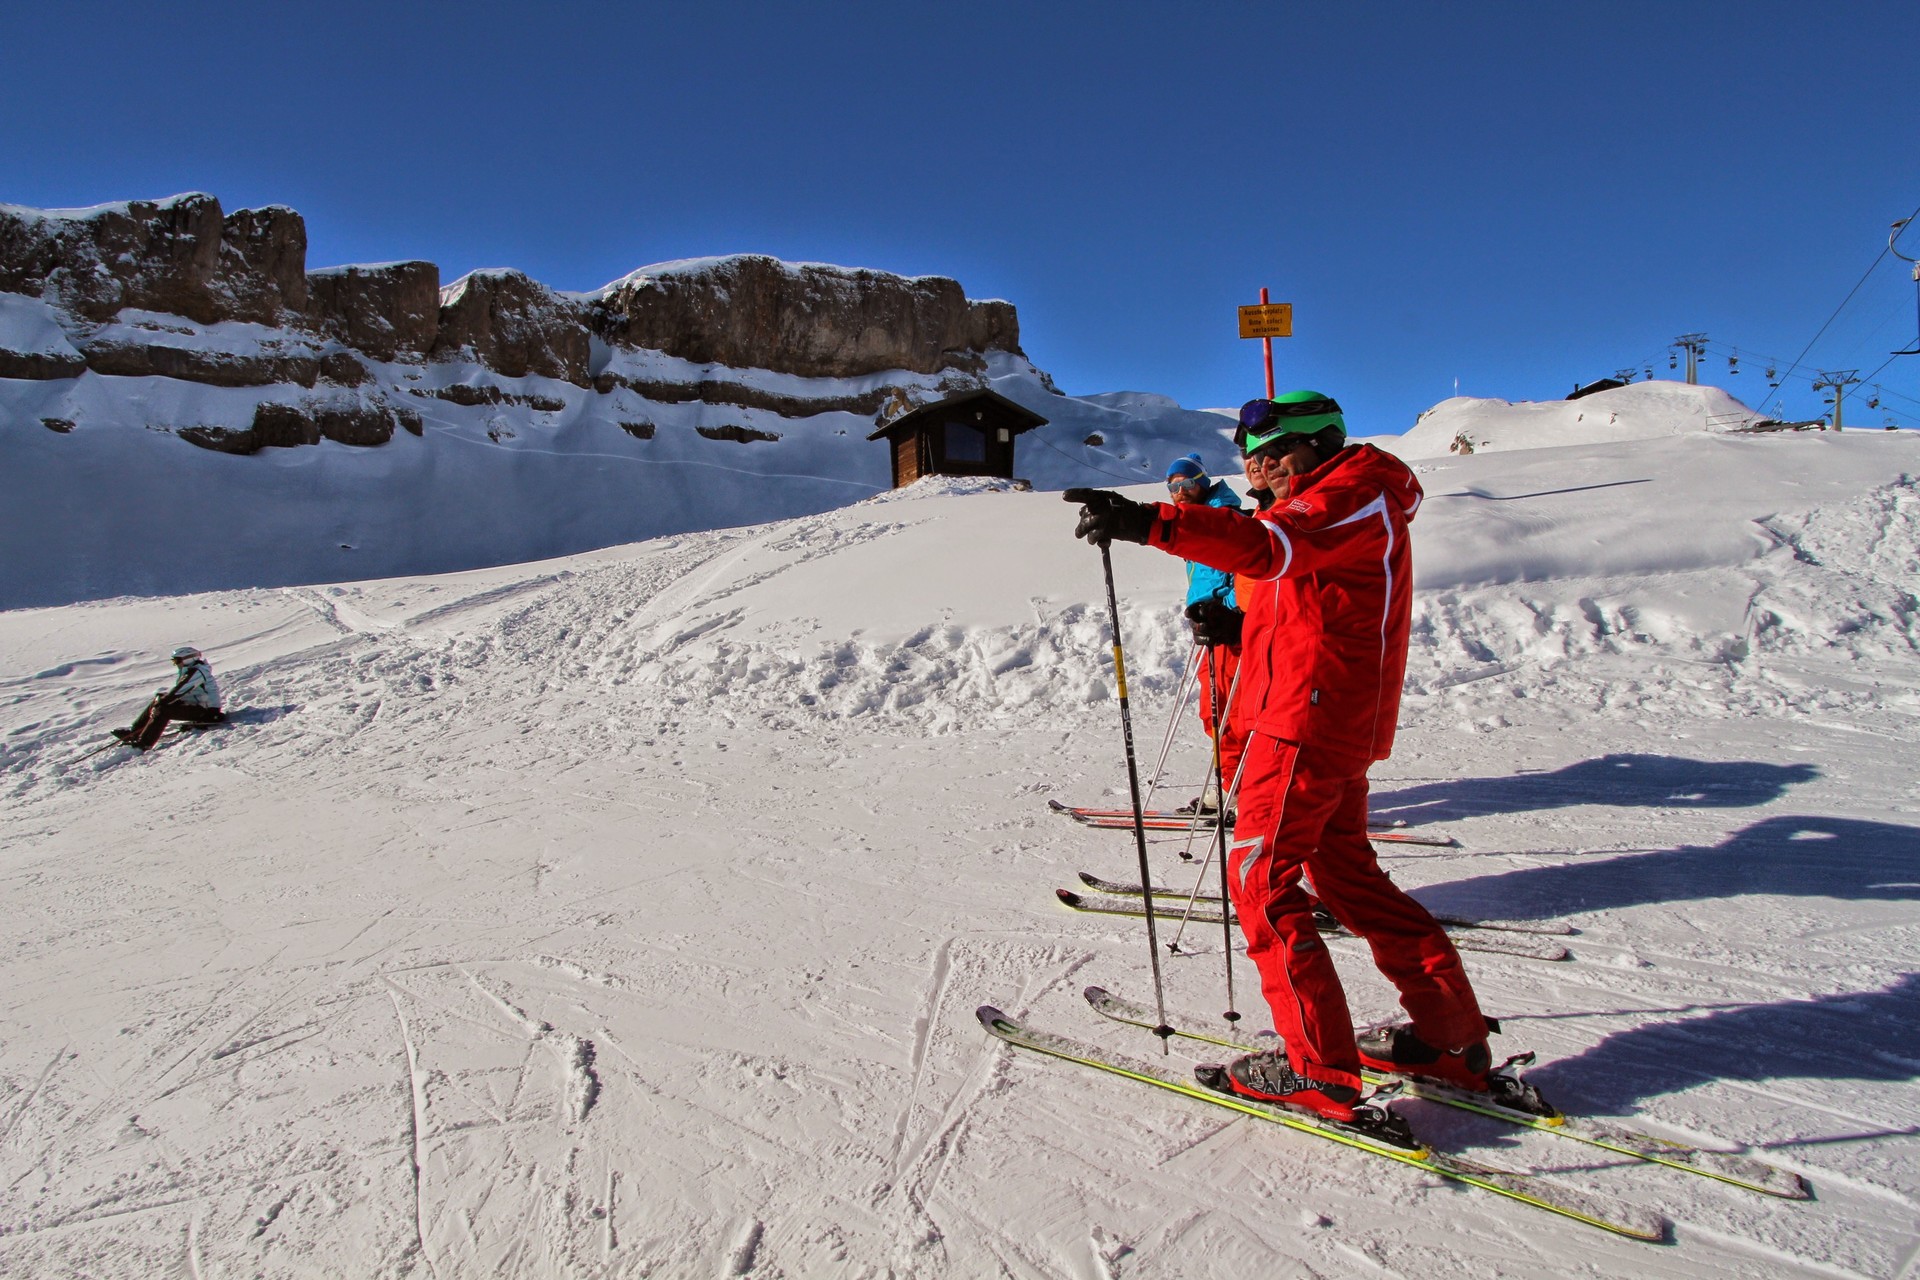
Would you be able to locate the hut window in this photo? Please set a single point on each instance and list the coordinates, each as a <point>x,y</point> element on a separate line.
<point>965,443</point>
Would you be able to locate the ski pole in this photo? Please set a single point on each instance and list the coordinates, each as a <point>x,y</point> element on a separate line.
<point>1220,823</point>
<point>1193,904</point>
<point>105,746</point>
<point>1187,675</point>
<point>1162,1030</point>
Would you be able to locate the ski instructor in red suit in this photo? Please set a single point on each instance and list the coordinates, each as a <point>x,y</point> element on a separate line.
<point>1324,649</point>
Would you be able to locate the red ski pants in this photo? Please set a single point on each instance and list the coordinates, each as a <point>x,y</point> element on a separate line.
<point>1217,668</point>
<point>1303,809</point>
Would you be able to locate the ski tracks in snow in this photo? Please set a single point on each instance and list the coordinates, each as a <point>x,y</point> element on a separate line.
<point>927,1131</point>
<point>416,1109</point>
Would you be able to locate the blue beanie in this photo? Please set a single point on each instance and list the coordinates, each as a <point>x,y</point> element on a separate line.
<point>1189,467</point>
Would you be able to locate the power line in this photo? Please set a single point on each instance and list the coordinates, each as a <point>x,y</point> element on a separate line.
<point>1877,260</point>
<point>1728,352</point>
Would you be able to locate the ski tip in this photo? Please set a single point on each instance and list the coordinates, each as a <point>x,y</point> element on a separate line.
<point>1090,880</point>
<point>1772,1180</point>
<point>1068,896</point>
<point>1054,804</point>
<point>1094,994</point>
<point>990,1017</point>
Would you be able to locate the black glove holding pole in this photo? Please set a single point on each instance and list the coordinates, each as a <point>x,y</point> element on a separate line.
<point>1214,624</point>
<point>1106,517</point>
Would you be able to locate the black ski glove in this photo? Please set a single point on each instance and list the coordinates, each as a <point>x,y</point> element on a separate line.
<point>1106,516</point>
<point>1214,623</point>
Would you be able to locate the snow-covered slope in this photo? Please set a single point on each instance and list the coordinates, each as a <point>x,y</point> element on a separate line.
<point>624,914</point>
<point>1639,411</point>
<point>524,469</point>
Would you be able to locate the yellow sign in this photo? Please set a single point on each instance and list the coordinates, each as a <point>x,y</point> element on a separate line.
<point>1267,320</point>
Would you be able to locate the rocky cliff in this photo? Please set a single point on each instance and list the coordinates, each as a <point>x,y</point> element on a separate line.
<point>178,256</point>
<point>811,320</point>
<point>175,288</point>
<point>515,325</point>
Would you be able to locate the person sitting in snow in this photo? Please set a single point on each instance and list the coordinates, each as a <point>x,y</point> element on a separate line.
<point>1328,612</point>
<point>194,698</point>
<point>1215,620</point>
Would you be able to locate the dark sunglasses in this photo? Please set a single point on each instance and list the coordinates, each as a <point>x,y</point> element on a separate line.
<point>1185,482</point>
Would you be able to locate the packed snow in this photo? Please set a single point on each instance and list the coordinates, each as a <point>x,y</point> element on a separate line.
<point>625,913</point>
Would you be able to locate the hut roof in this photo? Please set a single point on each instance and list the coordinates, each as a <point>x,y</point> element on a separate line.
<point>1023,418</point>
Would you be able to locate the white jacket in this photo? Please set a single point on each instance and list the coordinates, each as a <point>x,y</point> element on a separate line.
<point>196,686</point>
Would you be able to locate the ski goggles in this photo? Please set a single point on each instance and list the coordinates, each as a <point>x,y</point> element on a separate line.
<point>1258,417</point>
<point>1176,484</point>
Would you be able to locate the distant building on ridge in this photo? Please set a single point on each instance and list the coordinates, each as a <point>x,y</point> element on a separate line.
<point>1605,384</point>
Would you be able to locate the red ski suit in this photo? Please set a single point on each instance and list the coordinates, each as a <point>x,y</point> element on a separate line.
<point>1323,653</point>
<point>1225,660</point>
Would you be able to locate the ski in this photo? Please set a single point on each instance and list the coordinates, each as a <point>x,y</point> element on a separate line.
<point>1595,1210</point>
<point>1185,815</point>
<point>91,752</point>
<point>1555,928</point>
<point>1521,945</point>
<point>1184,822</point>
<point>183,729</point>
<point>1737,1170</point>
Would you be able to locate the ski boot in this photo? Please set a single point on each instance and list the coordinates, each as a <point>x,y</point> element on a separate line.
<point>1396,1049</point>
<point>1269,1077</point>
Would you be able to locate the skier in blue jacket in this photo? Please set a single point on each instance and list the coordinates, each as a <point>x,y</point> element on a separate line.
<point>1214,616</point>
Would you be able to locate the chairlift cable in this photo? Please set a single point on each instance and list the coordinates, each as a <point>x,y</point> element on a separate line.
<point>1877,260</point>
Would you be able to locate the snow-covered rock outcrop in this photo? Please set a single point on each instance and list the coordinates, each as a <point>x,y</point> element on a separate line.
<point>180,255</point>
<point>810,319</point>
<point>362,421</point>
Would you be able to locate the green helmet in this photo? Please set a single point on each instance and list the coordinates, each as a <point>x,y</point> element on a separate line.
<point>1292,413</point>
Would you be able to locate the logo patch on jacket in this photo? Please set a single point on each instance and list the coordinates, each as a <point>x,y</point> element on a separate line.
<point>1298,506</point>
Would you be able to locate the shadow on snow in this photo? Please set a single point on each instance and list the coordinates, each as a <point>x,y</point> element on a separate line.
<point>1866,1035</point>
<point>1641,781</point>
<point>1791,856</point>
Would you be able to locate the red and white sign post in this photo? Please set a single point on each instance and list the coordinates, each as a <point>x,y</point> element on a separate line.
<point>1266,322</point>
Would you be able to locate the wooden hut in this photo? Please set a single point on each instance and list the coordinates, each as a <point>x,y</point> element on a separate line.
<point>970,434</point>
<point>1604,384</point>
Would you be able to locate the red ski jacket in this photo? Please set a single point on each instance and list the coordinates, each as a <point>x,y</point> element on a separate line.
<point>1324,645</point>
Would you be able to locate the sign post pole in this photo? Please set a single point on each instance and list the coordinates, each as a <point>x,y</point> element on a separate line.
<point>1266,348</point>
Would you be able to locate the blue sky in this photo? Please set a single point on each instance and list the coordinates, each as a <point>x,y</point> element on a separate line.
<point>1517,196</point>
